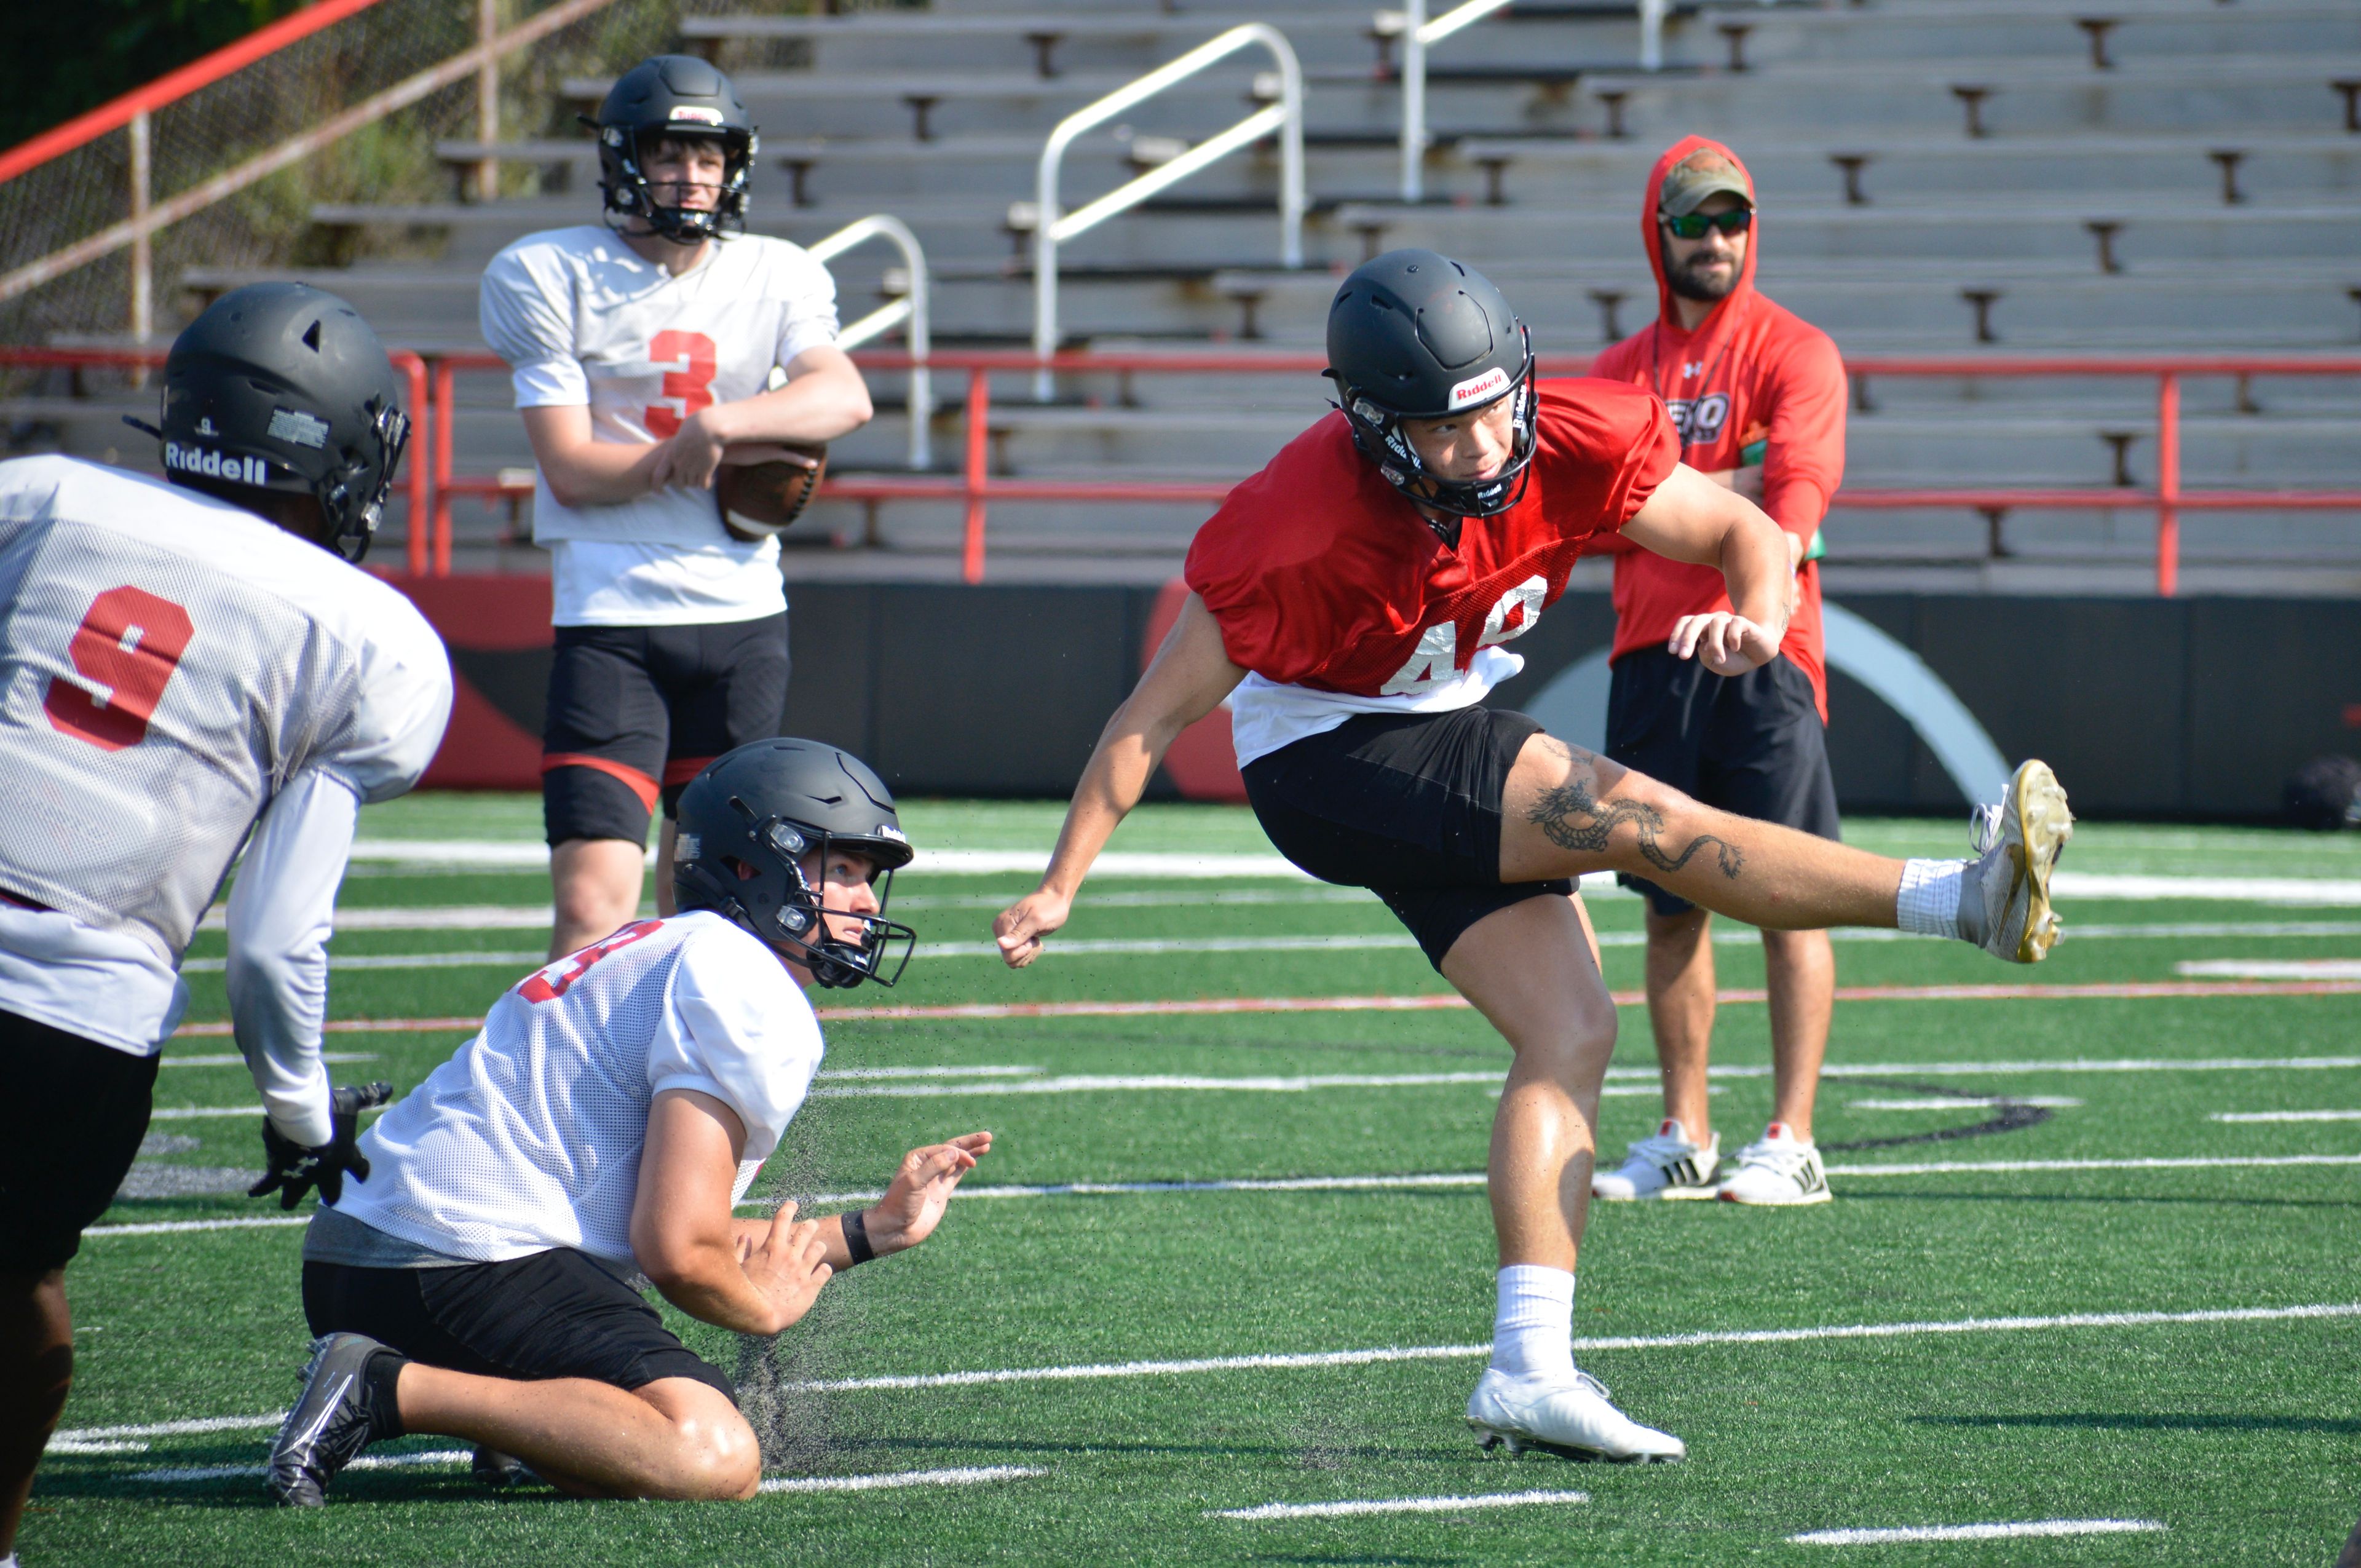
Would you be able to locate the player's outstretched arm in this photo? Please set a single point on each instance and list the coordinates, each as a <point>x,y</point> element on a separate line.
<point>1191,676</point>
<point>914,1201</point>
<point>1690,518</point>
<point>684,1239</point>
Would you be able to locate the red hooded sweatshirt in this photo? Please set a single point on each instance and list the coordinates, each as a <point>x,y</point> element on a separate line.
<point>1751,373</point>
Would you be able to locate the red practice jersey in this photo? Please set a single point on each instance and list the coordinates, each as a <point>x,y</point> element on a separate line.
<point>1751,373</point>
<point>1325,580</point>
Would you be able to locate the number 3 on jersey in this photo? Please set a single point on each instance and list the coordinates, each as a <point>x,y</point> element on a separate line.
<point>551,982</point>
<point>692,385</point>
<point>127,646</point>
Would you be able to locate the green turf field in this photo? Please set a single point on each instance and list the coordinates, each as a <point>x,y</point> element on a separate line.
<point>2239,1433</point>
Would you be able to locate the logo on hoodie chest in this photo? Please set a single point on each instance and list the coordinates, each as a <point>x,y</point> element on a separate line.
<point>1698,419</point>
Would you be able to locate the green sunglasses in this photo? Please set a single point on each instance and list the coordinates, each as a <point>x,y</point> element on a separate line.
<point>1692,226</point>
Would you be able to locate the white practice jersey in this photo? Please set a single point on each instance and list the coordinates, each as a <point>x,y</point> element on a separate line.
<point>529,1137</point>
<point>583,320</point>
<point>171,667</point>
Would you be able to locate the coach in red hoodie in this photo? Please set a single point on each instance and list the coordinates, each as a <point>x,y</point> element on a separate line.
<point>1757,396</point>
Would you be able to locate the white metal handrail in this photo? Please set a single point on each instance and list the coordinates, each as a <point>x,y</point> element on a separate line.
<point>910,308</point>
<point>1052,229</point>
<point>1418,32</point>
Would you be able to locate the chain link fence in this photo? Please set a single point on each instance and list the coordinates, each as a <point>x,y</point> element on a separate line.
<point>284,95</point>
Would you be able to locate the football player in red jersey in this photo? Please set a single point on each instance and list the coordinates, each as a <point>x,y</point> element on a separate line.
<point>1350,602</point>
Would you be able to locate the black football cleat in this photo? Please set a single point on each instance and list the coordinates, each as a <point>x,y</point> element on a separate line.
<point>499,1471</point>
<point>330,1424</point>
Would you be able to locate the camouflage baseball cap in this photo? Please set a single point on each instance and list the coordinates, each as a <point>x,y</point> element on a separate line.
<point>1694,177</point>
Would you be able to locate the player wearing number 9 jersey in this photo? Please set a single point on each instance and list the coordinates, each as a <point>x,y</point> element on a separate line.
<point>188,669</point>
<point>641,354</point>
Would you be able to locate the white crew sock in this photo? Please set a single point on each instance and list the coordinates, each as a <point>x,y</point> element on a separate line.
<point>1929,902</point>
<point>1533,1330</point>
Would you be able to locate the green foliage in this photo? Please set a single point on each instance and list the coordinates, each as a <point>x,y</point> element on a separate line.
<point>63,61</point>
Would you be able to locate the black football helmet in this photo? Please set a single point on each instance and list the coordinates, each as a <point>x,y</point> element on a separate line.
<point>673,95</point>
<point>1417,335</point>
<point>746,824</point>
<point>282,387</point>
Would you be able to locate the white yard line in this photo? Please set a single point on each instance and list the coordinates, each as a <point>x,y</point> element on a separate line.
<point>1396,1505</point>
<point>1084,1083</point>
<point>1987,1102</point>
<point>1653,1341</point>
<point>366,1461</point>
<point>168,1429</point>
<point>2287,1116</point>
<point>172,1227</point>
<point>524,853</point>
<point>2214,1162</point>
<point>1352,1184</point>
<point>970,1475</point>
<point>2271,968</point>
<point>539,917</point>
<point>1975,1531</point>
<point>226,1060</point>
<point>1318,1359</point>
<point>2068,1064</point>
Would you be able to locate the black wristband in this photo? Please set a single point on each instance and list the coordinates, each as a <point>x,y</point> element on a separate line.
<point>856,1238</point>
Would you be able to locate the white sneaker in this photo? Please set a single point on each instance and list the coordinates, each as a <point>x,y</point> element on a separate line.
<point>1569,1417</point>
<point>1665,1166</point>
<point>2005,903</point>
<point>1777,1168</point>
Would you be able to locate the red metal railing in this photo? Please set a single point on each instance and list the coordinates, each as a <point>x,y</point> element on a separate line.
<point>174,85</point>
<point>431,484</point>
<point>975,488</point>
<point>416,481</point>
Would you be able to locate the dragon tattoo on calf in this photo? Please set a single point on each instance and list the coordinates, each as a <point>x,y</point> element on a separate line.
<point>1572,817</point>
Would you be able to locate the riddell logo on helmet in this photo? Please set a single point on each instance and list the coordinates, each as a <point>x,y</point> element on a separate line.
<point>1490,384</point>
<point>692,111</point>
<point>215,465</point>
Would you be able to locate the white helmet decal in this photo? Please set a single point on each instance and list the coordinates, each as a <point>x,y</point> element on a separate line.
<point>1480,388</point>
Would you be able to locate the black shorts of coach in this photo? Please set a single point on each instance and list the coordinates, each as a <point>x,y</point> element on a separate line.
<point>559,1313</point>
<point>1752,745</point>
<point>635,712</point>
<point>71,1125</point>
<point>1407,805</point>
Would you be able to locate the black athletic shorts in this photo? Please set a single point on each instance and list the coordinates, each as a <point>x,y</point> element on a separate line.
<point>635,712</point>
<point>1752,744</point>
<point>560,1314</point>
<point>1407,805</point>
<point>69,1127</point>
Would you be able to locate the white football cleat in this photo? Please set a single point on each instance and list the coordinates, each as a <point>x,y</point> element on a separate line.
<point>2005,896</point>
<point>1777,1168</point>
<point>1570,1417</point>
<point>1666,1164</point>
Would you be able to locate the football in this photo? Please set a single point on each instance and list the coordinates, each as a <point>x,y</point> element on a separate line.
<point>761,489</point>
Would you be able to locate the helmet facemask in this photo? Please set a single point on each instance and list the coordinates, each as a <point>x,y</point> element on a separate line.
<point>1377,433</point>
<point>623,177</point>
<point>352,494</point>
<point>779,905</point>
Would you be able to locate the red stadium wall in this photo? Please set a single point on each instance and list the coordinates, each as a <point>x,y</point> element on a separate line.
<point>2181,708</point>
<point>498,631</point>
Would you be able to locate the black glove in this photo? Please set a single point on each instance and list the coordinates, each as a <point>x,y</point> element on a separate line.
<point>295,1168</point>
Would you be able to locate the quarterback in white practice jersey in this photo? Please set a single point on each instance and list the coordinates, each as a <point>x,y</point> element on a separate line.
<point>613,1110</point>
<point>188,669</point>
<point>642,353</point>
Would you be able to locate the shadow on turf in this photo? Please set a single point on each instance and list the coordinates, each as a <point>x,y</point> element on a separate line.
<point>2104,1421</point>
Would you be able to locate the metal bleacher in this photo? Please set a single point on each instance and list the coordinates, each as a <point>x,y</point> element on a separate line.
<point>1936,177</point>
